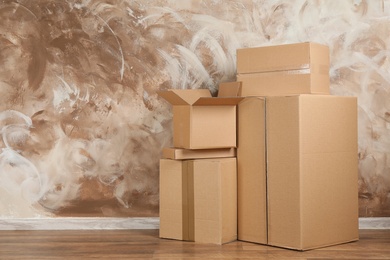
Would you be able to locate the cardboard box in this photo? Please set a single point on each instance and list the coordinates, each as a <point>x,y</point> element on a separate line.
<point>301,68</point>
<point>186,154</point>
<point>198,200</point>
<point>201,121</point>
<point>312,171</point>
<point>251,166</point>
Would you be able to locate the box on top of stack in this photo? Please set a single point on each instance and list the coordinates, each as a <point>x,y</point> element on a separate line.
<point>201,121</point>
<point>301,68</point>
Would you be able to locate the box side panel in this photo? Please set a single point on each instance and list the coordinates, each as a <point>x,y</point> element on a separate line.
<point>320,82</point>
<point>329,199</point>
<point>228,177</point>
<point>181,126</point>
<point>319,67</point>
<point>283,83</point>
<point>319,55</point>
<point>283,169</point>
<point>273,58</point>
<point>251,178</point>
<point>213,127</point>
<point>329,170</point>
<point>329,124</point>
<point>207,197</point>
<point>172,201</point>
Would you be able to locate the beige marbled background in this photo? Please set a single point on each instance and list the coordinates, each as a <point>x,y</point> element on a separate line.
<point>82,127</point>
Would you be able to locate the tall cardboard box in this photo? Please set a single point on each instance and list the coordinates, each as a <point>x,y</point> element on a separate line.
<point>300,68</point>
<point>312,171</point>
<point>201,121</point>
<point>251,167</point>
<point>198,200</point>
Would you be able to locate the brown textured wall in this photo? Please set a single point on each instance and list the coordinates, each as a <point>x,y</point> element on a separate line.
<point>82,127</point>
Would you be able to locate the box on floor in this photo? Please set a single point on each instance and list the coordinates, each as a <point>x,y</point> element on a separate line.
<point>198,200</point>
<point>307,196</point>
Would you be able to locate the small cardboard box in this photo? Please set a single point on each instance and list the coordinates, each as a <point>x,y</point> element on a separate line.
<point>312,174</point>
<point>186,154</point>
<point>198,200</point>
<point>201,121</point>
<point>301,68</point>
<point>251,168</point>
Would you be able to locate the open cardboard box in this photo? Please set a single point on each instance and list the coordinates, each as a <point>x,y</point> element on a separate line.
<point>201,121</point>
<point>300,68</point>
<point>297,171</point>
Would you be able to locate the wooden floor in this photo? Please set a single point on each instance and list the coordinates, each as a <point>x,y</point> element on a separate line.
<point>145,244</point>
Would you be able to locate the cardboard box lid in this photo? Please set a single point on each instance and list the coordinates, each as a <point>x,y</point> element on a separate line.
<point>283,57</point>
<point>196,97</point>
<point>218,101</point>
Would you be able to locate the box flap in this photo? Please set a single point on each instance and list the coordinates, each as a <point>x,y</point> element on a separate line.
<point>218,101</point>
<point>183,96</point>
<point>229,89</point>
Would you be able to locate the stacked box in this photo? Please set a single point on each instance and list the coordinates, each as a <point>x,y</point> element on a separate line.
<point>198,119</point>
<point>198,200</point>
<point>277,166</point>
<point>297,150</point>
<point>198,176</point>
<point>290,69</point>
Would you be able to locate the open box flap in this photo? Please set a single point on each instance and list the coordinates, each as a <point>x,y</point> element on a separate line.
<point>184,96</point>
<point>229,89</point>
<point>218,101</point>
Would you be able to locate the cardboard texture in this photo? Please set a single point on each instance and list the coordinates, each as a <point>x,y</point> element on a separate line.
<point>301,68</point>
<point>198,200</point>
<point>186,154</point>
<point>176,201</point>
<point>198,119</point>
<point>215,200</point>
<point>312,171</point>
<point>229,89</point>
<point>251,165</point>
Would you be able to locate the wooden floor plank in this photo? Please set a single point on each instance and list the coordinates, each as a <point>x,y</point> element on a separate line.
<point>145,244</point>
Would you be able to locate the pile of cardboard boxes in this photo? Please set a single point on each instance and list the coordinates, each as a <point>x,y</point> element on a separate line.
<point>271,160</point>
